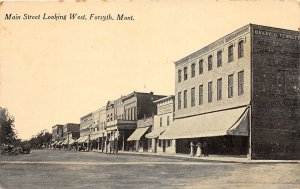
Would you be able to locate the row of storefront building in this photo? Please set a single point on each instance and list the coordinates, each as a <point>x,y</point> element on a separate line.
<point>240,95</point>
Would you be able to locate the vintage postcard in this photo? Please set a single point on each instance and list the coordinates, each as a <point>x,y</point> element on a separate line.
<point>150,94</point>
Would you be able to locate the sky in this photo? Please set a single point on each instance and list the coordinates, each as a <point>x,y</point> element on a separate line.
<point>54,72</point>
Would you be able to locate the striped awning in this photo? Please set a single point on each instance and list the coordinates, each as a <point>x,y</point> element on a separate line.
<point>138,133</point>
<point>82,139</point>
<point>155,133</point>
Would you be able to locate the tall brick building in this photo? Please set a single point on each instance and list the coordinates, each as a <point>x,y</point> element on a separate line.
<point>57,133</point>
<point>241,95</point>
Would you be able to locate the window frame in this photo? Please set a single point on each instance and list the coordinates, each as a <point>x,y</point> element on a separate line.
<point>219,58</point>
<point>179,76</point>
<point>230,86</point>
<point>241,49</point>
<point>168,120</point>
<point>193,70</point>
<point>201,66</point>
<point>185,99</point>
<point>219,89</point>
<point>179,100</point>
<point>160,122</point>
<point>209,63</point>
<point>241,82</point>
<point>210,92</point>
<point>230,53</point>
<point>193,103</point>
<point>201,94</point>
<point>185,74</point>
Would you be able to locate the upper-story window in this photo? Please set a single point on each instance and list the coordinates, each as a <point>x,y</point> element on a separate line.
<point>219,58</point>
<point>219,89</point>
<point>111,117</point>
<point>209,62</point>
<point>241,82</point>
<point>230,86</point>
<point>241,49</point>
<point>179,76</point>
<point>200,94</point>
<point>168,120</point>
<point>210,91</point>
<point>179,100</point>
<point>160,122</point>
<point>193,96</point>
<point>193,70</point>
<point>230,53</point>
<point>185,73</point>
<point>134,113</point>
<point>201,66</point>
<point>185,99</point>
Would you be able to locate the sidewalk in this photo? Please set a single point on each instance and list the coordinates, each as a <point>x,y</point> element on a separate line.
<point>211,158</point>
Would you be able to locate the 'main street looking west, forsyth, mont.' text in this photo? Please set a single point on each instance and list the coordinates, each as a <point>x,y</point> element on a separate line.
<point>71,16</point>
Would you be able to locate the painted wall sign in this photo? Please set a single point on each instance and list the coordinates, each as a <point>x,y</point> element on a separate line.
<point>276,34</point>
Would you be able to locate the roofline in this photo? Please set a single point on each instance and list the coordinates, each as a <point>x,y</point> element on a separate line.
<point>164,98</point>
<point>187,58</point>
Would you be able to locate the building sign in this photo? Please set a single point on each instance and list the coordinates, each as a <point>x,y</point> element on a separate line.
<point>165,109</point>
<point>276,34</point>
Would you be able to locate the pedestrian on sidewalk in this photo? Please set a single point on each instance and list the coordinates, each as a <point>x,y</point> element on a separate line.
<point>205,149</point>
<point>192,154</point>
<point>199,150</point>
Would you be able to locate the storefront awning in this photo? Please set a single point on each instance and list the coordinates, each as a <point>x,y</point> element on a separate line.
<point>71,141</point>
<point>226,122</point>
<point>65,142</point>
<point>155,133</point>
<point>98,135</point>
<point>138,133</point>
<point>82,139</point>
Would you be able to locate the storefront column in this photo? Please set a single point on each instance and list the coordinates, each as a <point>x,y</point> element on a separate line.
<point>110,143</point>
<point>98,143</point>
<point>123,141</point>
<point>102,145</point>
<point>116,145</point>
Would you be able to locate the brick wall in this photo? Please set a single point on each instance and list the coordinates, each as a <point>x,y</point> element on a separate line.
<point>275,101</point>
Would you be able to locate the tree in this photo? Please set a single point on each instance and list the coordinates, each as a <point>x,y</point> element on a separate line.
<point>42,138</point>
<point>7,127</point>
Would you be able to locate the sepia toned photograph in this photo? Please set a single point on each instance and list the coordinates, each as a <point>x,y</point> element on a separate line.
<point>150,94</point>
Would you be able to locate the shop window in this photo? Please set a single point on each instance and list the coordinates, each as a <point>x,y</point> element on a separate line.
<point>168,143</point>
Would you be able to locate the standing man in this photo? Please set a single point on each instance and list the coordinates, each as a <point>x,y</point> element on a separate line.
<point>192,149</point>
